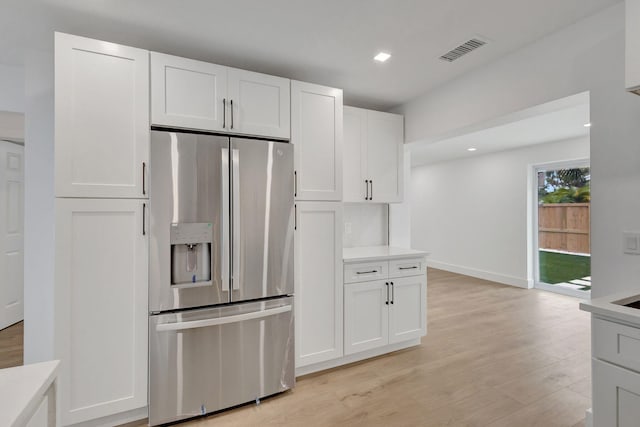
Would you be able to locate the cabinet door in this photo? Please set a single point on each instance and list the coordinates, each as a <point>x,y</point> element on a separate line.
<point>316,132</point>
<point>355,158</point>
<point>408,308</point>
<point>366,315</point>
<point>318,282</point>
<point>385,156</point>
<point>102,118</point>
<point>616,395</point>
<point>101,307</point>
<point>188,94</point>
<point>260,104</point>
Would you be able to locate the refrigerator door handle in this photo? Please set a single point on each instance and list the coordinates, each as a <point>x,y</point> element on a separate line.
<point>193,324</point>
<point>224,249</point>
<point>235,209</point>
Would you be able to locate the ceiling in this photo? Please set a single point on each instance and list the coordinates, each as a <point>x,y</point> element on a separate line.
<point>330,42</point>
<point>554,121</point>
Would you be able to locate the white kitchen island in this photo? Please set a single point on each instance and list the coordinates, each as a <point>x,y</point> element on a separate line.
<point>28,395</point>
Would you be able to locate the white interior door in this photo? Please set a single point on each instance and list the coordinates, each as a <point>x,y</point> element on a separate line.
<point>11,233</point>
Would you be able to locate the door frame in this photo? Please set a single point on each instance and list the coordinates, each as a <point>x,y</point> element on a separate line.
<point>15,314</point>
<point>533,276</point>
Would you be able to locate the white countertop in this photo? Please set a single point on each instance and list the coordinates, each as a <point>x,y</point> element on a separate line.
<point>21,390</point>
<point>368,253</point>
<point>607,307</point>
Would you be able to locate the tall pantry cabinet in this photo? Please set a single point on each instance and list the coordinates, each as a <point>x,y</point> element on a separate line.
<point>316,132</point>
<point>101,265</point>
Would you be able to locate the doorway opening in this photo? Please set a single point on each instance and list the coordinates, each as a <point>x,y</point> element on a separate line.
<point>11,239</point>
<point>562,244</point>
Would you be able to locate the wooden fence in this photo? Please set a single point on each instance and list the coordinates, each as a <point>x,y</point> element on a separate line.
<point>564,227</point>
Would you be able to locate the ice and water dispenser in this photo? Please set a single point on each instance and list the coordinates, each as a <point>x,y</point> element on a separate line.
<point>191,253</point>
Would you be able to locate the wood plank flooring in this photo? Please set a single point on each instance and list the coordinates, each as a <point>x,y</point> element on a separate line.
<point>494,356</point>
<point>11,346</point>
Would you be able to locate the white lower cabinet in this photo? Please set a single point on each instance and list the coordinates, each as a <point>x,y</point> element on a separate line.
<point>101,307</point>
<point>408,308</point>
<point>366,316</point>
<point>318,282</point>
<point>615,373</point>
<point>616,398</point>
<point>384,311</point>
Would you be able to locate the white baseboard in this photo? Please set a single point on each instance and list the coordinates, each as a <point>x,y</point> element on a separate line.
<point>316,367</point>
<point>481,274</point>
<point>117,419</point>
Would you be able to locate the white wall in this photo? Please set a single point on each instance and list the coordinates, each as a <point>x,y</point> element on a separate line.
<point>471,214</point>
<point>365,224</point>
<point>12,88</point>
<point>588,56</point>
<point>39,227</point>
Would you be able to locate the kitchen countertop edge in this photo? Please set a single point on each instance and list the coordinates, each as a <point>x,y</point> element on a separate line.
<point>371,253</point>
<point>20,389</point>
<point>612,307</point>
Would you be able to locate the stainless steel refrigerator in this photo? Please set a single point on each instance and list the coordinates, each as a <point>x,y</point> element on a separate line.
<point>221,221</point>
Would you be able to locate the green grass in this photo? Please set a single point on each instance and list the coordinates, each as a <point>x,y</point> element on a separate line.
<point>557,268</point>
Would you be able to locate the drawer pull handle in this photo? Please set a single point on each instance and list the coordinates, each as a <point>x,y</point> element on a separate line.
<point>407,268</point>
<point>366,272</point>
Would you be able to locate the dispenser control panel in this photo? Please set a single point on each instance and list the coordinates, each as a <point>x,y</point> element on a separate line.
<point>189,233</point>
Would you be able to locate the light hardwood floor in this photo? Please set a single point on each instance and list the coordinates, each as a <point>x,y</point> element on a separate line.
<point>11,345</point>
<point>494,355</point>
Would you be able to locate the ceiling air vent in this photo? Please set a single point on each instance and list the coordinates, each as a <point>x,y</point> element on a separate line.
<point>463,49</point>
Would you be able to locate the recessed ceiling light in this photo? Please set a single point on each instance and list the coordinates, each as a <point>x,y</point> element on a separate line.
<point>587,125</point>
<point>382,56</point>
<point>471,149</point>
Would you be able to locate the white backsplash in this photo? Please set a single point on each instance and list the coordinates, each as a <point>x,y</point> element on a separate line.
<point>365,224</point>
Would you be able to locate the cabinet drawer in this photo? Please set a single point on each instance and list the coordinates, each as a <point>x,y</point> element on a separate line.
<point>366,271</point>
<point>407,267</point>
<point>616,343</point>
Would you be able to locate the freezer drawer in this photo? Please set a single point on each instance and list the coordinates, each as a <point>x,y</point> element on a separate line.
<point>206,360</point>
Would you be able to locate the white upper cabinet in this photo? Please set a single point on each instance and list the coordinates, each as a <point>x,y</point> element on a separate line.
<point>259,104</point>
<point>102,118</point>
<point>385,156</point>
<point>355,155</point>
<point>316,132</point>
<point>101,306</point>
<point>187,93</point>
<point>318,282</point>
<point>632,45</point>
<point>373,156</point>
<point>198,95</point>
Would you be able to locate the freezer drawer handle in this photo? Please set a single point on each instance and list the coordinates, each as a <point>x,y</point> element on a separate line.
<point>179,326</point>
